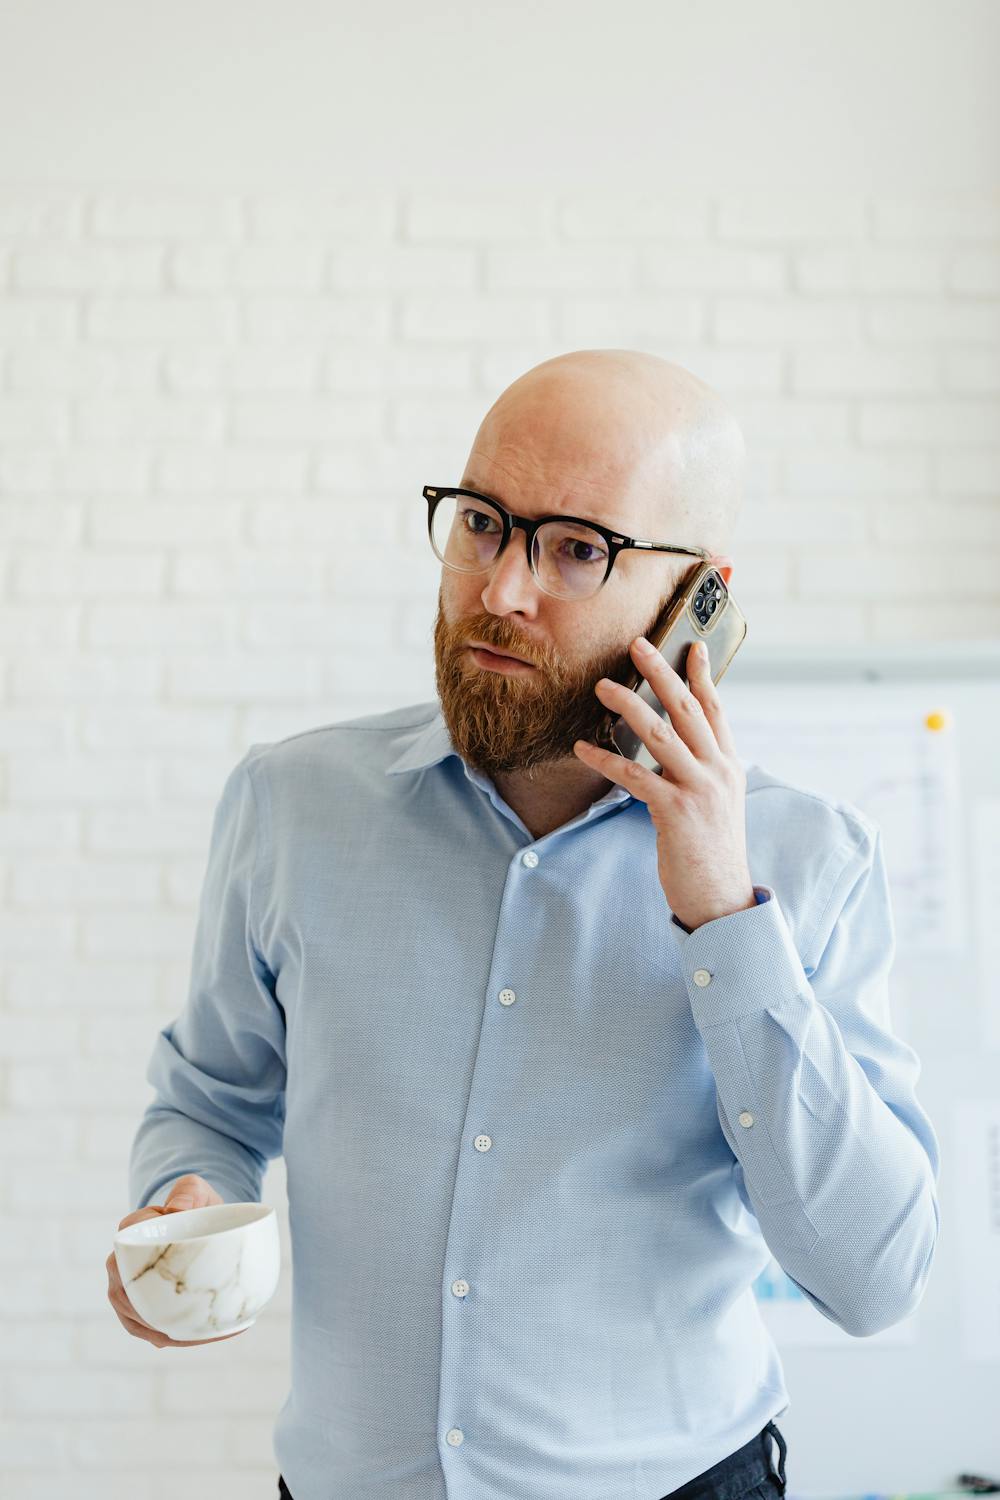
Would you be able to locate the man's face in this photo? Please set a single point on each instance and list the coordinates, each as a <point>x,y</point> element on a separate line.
<point>501,722</point>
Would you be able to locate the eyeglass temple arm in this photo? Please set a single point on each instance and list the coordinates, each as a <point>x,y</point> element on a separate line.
<point>667,547</point>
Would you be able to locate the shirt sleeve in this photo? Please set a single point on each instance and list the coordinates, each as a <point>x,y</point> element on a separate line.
<point>218,1070</point>
<point>833,1154</point>
<point>761,892</point>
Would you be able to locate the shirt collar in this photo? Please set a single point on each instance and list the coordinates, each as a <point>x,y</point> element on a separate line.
<point>433,744</point>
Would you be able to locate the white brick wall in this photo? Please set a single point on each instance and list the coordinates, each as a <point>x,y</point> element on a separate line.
<point>201,399</point>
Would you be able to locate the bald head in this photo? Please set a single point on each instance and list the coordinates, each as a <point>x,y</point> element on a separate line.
<point>655,447</point>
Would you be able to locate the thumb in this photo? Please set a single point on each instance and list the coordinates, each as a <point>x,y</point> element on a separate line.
<point>189,1192</point>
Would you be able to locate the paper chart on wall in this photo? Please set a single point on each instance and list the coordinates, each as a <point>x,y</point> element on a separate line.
<point>976,1198</point>
<point>899,766</point>
<point>986,896</point>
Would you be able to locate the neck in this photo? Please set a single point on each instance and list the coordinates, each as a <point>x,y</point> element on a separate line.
<point>557,794</point>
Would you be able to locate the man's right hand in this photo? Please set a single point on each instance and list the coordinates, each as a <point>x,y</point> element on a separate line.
<point>187,1192</point>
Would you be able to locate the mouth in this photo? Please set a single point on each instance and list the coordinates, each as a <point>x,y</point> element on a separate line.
<point>497,661</point>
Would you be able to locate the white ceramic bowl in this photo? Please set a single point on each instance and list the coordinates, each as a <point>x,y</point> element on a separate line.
<point>201,1273</point>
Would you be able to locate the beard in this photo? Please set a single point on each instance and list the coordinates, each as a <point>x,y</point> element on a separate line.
<point>501,722</point>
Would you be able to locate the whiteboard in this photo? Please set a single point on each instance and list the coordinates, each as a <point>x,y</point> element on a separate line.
<point>911,737</point>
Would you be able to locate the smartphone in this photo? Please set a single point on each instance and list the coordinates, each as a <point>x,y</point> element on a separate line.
<point>703,609</point>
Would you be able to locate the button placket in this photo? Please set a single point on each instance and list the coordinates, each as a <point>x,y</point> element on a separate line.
<point>460,1287</point>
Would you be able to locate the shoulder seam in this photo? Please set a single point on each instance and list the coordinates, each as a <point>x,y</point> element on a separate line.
<point>868,827</point>
<point>361,728</point>
<point>838,880</point>
<point>858,838</point>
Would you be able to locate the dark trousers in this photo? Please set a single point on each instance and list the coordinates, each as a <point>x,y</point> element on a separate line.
<point>746,1474</point>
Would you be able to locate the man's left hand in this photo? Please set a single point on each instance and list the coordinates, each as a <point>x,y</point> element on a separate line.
<point>697,802</point>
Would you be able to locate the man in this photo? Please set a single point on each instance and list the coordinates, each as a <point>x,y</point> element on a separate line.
<point>558,1050</point>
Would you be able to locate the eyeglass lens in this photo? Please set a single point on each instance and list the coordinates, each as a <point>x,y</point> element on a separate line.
<point>570,560</point>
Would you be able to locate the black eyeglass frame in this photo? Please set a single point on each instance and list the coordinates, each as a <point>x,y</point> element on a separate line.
<point>616,541</point>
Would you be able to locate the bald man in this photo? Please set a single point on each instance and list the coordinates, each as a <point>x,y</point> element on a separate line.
<point>616,435</point>
<point>559,1050</point>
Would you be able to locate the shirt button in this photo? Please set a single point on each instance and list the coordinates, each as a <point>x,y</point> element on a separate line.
<point>507,997</point>
<point>483,1143</point>
<point>746,1118</point>
<point>455,1436</point>
<point>459,1288</point>
<point>529,858</point>
<point>702,977</point>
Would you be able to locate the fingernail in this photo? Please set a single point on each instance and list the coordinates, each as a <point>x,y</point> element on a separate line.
<point>643,645</point>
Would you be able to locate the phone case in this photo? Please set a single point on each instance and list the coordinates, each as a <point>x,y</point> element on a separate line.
<point>704,610</point>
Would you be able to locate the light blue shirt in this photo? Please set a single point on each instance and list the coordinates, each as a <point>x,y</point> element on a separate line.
<point>539,1140</point>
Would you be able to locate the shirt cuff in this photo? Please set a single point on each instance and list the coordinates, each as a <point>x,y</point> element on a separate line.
<point>734,966</point>
<point>762,892</point>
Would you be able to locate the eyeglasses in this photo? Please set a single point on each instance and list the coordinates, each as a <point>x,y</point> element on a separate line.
<point>569,558</point>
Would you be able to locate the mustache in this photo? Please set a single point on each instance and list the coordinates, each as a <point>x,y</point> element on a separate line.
<point>614,664</point>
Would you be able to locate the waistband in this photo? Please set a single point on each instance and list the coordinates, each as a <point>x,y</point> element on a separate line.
<point>734,1475</point>
<point>740,1471</point>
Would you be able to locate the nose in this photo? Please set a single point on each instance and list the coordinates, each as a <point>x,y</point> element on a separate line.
<point>510,582</point>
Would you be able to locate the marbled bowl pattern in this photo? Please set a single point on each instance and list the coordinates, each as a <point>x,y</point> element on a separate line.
<point>203,1287</point>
